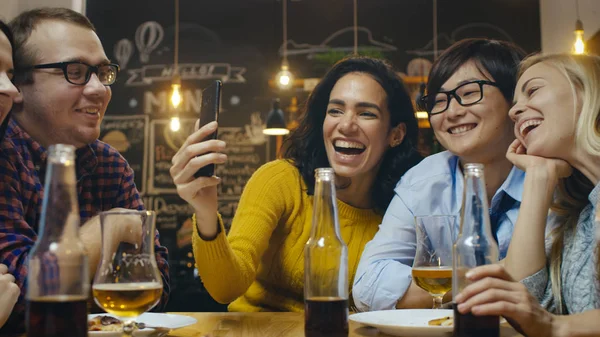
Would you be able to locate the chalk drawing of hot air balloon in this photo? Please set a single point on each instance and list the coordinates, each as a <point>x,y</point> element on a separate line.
<point>123,50</point>
<point>147,37</point>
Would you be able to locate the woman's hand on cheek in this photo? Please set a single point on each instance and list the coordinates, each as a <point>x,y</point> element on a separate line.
<point>553,168</point>
<point>494,293</point>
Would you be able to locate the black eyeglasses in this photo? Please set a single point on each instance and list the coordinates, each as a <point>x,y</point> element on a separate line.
<point>79,73</point>
<point>465,94</point>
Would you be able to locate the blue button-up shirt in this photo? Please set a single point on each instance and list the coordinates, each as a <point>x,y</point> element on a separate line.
<point>433,187</point>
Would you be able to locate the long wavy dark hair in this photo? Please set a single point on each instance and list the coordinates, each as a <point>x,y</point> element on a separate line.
<point>306,147</point>
<point>4,28</point>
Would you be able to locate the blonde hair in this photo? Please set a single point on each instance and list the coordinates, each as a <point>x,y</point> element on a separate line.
<point>583,74</point>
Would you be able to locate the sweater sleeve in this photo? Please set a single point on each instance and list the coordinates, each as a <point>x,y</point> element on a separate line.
<point>228,264</point>
<point>540,286</point>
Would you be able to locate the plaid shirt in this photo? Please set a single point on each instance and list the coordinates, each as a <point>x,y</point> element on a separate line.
<point>104,181</point>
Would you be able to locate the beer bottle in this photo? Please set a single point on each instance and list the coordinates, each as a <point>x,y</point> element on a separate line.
<point>325,265</point>
<point>475,246</point>
<point>58,279</point>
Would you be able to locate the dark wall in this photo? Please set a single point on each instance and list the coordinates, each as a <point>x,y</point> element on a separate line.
<point>239,42</point>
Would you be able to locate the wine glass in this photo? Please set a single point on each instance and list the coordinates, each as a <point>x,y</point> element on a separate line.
<point>432,266</point>
<point>127,282</point>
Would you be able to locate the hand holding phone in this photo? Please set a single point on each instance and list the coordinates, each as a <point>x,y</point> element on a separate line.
<point>209,111</point>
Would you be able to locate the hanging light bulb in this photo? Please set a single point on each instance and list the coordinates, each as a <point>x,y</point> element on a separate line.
<point>176,95</point>
<point>176,84</point>
<point>579,45</point>
<point>176,92</point>
<point>175,124</point>
<point>284,78</point>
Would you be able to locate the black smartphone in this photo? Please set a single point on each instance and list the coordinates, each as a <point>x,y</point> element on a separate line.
<point>209,111</point>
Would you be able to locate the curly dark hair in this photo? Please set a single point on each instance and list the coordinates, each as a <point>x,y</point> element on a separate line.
<point>305,146</point>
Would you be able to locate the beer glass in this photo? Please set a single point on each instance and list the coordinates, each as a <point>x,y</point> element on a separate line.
<point>127,282</point>
<point>432,266</point>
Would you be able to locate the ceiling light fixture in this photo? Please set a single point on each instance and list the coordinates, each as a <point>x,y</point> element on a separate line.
<point>176,97</point>
<point>285,79</point>
<point>276,121</point>
<point>579,45</point>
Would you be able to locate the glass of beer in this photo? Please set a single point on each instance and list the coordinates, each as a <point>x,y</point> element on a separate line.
<point>432,266</point>
<point>127,282</point>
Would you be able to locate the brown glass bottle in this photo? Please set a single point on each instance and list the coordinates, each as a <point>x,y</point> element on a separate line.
<point>469,325</point>
<point>58,283</point>
<point>475,246</point>
<point>325,265</point>
<point>57,316</point>
<point>326,317</point>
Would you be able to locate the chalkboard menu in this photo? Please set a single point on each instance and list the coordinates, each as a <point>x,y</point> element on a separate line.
<point>129,135</point>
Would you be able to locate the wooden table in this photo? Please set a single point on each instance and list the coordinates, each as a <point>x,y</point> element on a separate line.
<point>255,324</point>
<point>262,324</point>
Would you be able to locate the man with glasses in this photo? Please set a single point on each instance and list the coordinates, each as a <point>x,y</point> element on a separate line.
<point>64,78</point>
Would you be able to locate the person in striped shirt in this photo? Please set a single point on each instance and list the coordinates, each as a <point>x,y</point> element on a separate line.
<point>64,78</point>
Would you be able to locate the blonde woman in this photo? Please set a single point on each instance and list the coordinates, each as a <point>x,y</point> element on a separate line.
<point>557,124</point>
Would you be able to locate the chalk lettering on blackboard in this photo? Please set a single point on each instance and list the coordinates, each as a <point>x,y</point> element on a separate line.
<point>147,75</point>
<point>160,204</point>
<point>159,102</point>
<point>173,218</point>
<point>148,36</point>
<point>129,135</point>
<point>123,50</point>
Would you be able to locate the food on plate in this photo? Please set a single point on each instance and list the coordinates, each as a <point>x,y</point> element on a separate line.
<point>106,323</point>
<point>444,321</point>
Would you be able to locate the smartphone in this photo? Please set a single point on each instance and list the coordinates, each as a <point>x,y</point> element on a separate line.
<point>209,111</point>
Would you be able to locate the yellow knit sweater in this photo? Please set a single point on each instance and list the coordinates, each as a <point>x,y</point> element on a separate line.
<point>260,264</point>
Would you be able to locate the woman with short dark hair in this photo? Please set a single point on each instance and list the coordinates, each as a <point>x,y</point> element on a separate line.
<point>359,120</point>
<point>469,92</point>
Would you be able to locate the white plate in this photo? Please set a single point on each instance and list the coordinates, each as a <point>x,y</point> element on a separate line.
<point>169,321</point>
<point>414,322</point>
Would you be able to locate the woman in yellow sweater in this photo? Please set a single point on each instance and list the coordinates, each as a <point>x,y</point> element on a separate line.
<point>359,120</point>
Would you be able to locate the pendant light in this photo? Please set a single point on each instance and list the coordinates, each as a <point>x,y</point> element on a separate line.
<point>579,45</point>
<point>276,121</point>
<point>284,79</point>
<point>176,97</point>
